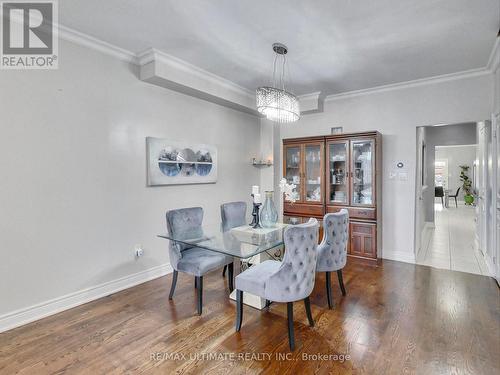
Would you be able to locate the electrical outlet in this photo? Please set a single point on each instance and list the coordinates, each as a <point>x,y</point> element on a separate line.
<point>139,252</point>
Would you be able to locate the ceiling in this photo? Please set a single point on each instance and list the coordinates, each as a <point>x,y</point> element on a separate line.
<point>334,45</point>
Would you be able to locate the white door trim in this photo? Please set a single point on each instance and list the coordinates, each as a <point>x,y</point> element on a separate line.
<point>495,226</point>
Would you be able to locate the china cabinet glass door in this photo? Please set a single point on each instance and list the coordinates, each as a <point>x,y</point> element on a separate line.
<point>293,169</point>
<point>362,172</point>
<point>338,189</point>
<point>313,173</point>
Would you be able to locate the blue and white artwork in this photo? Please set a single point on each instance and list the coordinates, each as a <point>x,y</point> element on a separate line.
<point>173,163</point>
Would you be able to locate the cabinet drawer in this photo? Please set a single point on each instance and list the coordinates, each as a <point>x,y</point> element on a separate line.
<point>304,209</point>
<point>362,213</point>
<point>294,220</point>
<point>356,213</point>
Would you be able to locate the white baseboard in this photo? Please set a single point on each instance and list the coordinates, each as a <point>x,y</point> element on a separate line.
<point>30,314</point>
<point>400,256</point>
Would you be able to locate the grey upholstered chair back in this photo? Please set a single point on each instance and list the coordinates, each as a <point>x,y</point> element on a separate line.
<point>183,223</point>
<point>295,278</point>
<point>233,214</point>
<point>332,251</point>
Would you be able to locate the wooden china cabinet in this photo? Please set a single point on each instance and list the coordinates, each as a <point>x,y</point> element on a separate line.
<point>304,166</point>
<point>335,172</point>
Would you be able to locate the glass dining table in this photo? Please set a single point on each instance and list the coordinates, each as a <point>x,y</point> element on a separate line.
<point>243,243</point>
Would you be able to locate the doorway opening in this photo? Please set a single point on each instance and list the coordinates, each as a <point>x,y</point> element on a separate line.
<point>446,230</point>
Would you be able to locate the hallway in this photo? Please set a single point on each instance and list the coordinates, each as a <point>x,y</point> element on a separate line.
<point>451,244</point>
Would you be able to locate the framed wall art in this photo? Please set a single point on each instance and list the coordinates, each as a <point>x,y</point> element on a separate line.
<point>174,163</point>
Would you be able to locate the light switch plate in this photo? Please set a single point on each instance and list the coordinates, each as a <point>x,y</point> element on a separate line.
<point>403,176</point>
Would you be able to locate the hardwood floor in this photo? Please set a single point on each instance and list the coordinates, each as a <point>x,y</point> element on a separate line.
<point>396,318</point>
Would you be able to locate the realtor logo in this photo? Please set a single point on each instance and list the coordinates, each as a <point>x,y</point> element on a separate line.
<point>29,35</point>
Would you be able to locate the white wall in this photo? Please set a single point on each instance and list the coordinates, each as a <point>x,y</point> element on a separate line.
<point>457,156</point>
<point>73,195</point>
<point>396,114</point>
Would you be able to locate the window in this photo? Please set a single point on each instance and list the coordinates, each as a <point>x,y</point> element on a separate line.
<point>441,173</point>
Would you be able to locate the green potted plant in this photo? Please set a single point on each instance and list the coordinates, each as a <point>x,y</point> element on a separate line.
<point>466,184</point>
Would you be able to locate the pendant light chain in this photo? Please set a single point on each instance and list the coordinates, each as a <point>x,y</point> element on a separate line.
<point>274,82</point>
<point>283,73</point>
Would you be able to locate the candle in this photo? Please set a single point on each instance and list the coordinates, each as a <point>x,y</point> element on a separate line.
<point>255,189</point>
<point>256,198</point>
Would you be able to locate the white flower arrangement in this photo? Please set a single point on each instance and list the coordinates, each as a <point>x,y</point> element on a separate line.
<point>288,190</point>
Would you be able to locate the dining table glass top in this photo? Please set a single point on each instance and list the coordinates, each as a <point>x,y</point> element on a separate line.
<point>240,242</point>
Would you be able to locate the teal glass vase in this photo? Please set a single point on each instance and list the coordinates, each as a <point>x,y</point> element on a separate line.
<point>269,214</point>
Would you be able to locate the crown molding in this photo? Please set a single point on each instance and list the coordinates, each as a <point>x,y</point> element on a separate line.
<point>492,65</point>
<point>163,70</point>
<point>154,55</point>
<point>144,57</point>
<point>88,41</point>
<point>494,59</point>
<point>311,96</point>
<point>191,80</point>
<point>311,103</point>
<point>413,83</point>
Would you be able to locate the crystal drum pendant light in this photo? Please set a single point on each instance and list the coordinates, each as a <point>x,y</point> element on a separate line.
<point>275,102</point>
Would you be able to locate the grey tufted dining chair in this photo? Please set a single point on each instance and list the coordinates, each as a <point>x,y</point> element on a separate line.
<point>233,214</point>
<point>332,251</point>
<point>186,223</point>
<point>287,281</point>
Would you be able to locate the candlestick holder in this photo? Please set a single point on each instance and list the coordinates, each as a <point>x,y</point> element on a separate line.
<point>255,215</point>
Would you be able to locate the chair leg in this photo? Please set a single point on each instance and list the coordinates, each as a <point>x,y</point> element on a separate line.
<point>307,305</point>
<point>195,282</point>
<point>291,336</point>
<point>174,282</point>
<point>341,282</point>
<point>442,201</point>
<point>239,309</point>
<point>456,204</point>
<point>199,286</point>
<point>230,276</point>
<point>329,290</point>
<point>224,271</point>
